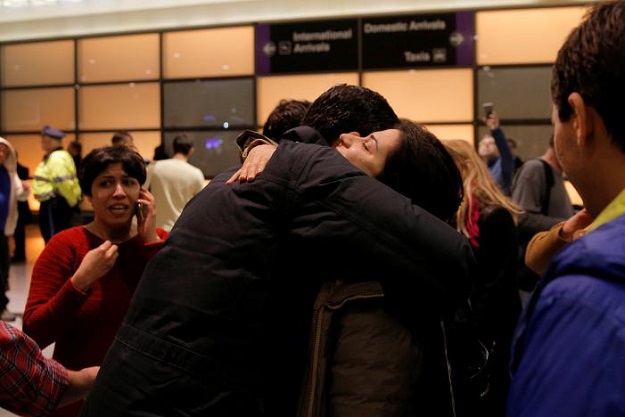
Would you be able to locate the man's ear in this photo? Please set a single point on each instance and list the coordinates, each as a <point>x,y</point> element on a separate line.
<point>583,119</point>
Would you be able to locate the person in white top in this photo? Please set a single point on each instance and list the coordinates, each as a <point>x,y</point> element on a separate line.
<point>173,182</point>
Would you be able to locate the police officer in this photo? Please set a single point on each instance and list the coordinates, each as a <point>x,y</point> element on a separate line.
<point>55,186</point>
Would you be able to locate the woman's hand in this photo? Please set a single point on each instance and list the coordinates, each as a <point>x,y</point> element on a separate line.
<point>96,263</point>
<point>146,216</point>
<point>254,164</point>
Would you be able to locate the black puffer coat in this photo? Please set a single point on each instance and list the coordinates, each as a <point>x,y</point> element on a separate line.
<point>218,325</point>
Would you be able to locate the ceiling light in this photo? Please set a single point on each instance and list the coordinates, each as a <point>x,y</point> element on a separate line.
<point>14,3</point>
<point>42,2</point>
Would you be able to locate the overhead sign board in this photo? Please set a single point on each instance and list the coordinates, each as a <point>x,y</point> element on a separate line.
<point>307,47</point>
<point>418,41</point>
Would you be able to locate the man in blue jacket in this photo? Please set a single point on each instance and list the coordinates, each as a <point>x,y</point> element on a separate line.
<point>568,358</point>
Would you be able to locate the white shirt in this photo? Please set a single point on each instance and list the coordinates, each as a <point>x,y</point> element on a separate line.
<point>172,182</point>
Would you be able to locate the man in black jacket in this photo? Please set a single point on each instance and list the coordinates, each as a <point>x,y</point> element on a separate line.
<point>211,342</point>
<point>367,353</point>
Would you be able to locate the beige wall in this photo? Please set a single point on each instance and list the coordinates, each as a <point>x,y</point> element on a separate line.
<point>444,99</point>
<point>523,36</point>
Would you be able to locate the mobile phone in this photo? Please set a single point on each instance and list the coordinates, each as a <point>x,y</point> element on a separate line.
<point>140,211</point>
<point>488,109</point>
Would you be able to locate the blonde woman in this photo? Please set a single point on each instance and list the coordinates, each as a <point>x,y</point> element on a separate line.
<point>488,219</point>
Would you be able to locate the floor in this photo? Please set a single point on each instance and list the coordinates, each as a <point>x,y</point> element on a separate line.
<point>19,275</point>
<point>19,279</point>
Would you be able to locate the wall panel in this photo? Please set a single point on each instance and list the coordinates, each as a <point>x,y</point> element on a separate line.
<point>31,109</point>
<point>270,90</point>
<point>530,36</point>
<point>221,52</point>
<point>120,107</point>
<point>159,84</point>
<point>38,63</point>
<point>426,96</point>
<point>445,132</point>
<point>119,58</point>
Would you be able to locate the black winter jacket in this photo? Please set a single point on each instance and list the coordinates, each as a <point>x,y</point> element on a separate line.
<point>219,322</point>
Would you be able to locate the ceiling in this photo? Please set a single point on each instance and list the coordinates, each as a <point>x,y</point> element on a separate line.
<point>42,19</point>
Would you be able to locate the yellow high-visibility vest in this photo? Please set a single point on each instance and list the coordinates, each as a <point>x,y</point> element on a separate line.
<point>56,176</point>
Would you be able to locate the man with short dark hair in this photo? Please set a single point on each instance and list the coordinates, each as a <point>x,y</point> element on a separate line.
<point>349,315</point>
<point>173,182</point>
<point>568,355</point>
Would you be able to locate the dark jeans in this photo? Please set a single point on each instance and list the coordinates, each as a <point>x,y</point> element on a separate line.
<point>19,237</point>
<point>56,215</point>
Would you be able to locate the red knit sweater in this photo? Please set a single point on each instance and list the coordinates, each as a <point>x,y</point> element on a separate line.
<point>82,325</point>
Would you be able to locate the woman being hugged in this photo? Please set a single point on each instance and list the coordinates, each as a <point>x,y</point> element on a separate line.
<point>83,280</point>
<point>488,219</point>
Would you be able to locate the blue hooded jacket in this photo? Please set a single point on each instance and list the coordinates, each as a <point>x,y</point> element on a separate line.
<point>568,358</point>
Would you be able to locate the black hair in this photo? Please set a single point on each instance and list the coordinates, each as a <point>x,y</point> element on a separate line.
<point>286,115</point>
<point>182,144</point>
<point>99,159</point>
<point>75,145</point>
<point>160,153</point>
<point>424,171</point>
<point>591,62</point>
<point>349,108</point>
<point>120,136</point>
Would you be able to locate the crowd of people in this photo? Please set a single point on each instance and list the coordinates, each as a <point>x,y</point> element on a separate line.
<point>339,269</point>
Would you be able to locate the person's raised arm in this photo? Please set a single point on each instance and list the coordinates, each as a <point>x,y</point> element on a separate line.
<point>505,152</point>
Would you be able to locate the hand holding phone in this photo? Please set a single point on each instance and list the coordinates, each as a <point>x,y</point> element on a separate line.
<point>146,216</point>
<point>141,211</point>
<point>488,109</point>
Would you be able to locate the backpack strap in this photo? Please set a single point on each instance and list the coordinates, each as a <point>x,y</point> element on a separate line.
<point>549,180</point>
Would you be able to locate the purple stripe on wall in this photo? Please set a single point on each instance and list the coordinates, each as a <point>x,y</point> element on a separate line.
<point>263,61</point>
<point>465,24</point>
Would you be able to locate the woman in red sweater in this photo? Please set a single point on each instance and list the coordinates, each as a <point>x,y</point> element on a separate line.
<point>84,278</point>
